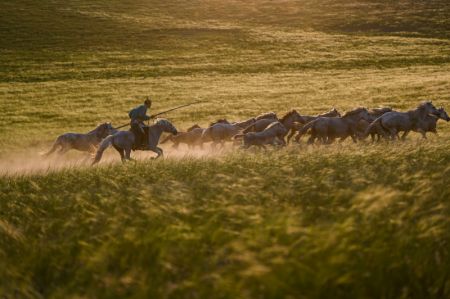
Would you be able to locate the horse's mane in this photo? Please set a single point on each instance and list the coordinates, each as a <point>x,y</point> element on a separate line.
<point>221,121</point>
<point>353,112</point>
<point>196,126</point>
<point>266,115</point>
<point>97,128</point>
<point>333,111</point>
<point>380,111</point>
<point>423,104</point>
<point>287,115</point>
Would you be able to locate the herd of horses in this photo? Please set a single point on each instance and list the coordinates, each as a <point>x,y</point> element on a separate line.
<point>265,129</point>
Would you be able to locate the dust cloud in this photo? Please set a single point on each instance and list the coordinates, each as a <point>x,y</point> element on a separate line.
<point>31,161</point>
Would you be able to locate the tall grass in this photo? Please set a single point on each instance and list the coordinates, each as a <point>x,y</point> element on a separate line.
<point>339,222</point>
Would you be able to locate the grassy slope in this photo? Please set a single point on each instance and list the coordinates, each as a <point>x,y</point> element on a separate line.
<point>299,222</point>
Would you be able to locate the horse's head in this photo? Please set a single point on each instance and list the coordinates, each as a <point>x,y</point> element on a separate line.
<point>442,114</point>
<point>166,126</point>
<point>104,130</point>
<point>428,108</point>
<point>358,113</point>
<point>292,116</point>
<point>193,128</point>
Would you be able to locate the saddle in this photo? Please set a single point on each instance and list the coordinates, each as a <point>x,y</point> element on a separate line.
<point>140,139</point>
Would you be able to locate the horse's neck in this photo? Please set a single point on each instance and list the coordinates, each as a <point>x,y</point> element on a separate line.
<point>155,131</point>
<point>245,123</point>
<point>417,114</point>
<point>289,121</point>
<point>352,119</point>
<point>93,132</point>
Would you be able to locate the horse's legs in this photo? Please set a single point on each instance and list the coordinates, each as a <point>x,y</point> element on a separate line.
<point>393,133</point>
<point>53,149</point>
<point>120,151</point>
<point>355,140</point>
<point>404,135</point>
<point>158,151</point>
<point>214,144</point>
<point>291,134</point>
<point>64,149</point>
<point>128,153</point>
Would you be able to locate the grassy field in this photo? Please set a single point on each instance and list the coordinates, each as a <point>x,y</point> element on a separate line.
<point>339,221</point>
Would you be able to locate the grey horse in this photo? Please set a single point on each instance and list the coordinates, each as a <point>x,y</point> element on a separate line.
<point>296,127</point>
<point>275,131</point>
<point>221,131</point>
<point>288,120</point>
<point>82,142</point>
<point>428,123</point>
<point>123,141</point>
<point>246,123</point>
<point>327,129</point>
<point>395,122</point>
<point>376,132</point>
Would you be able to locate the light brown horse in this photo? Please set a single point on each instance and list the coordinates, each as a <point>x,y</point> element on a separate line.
<point>327,129</point>
<point>192,138</point>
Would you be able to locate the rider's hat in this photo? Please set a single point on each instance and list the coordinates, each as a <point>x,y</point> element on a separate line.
<point>148,101</point>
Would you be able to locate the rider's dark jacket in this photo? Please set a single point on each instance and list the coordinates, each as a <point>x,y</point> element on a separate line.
<point>139,113</point>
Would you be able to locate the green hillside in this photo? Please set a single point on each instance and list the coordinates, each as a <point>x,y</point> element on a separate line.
<point>339,221</point>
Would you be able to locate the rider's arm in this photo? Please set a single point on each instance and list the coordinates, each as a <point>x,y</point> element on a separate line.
<point>143,113</point>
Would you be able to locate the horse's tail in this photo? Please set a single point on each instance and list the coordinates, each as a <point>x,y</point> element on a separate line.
<point>306,127</point>
<point>103,146</point>
<point>53,149</point>
<point>168,138</point>
<point>372,125</point>
<point>249,128</point>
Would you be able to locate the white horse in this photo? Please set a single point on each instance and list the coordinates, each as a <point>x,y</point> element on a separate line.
<point>123,141</point>
<point>82,142</point>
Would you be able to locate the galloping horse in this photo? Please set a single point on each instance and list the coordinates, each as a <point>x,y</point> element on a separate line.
<point>123,141</point>
<point>83,142</point>
<point>327,129</point>
<point>394,122</point>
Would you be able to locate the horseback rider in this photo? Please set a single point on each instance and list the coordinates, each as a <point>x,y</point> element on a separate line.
<point>137,117</point>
